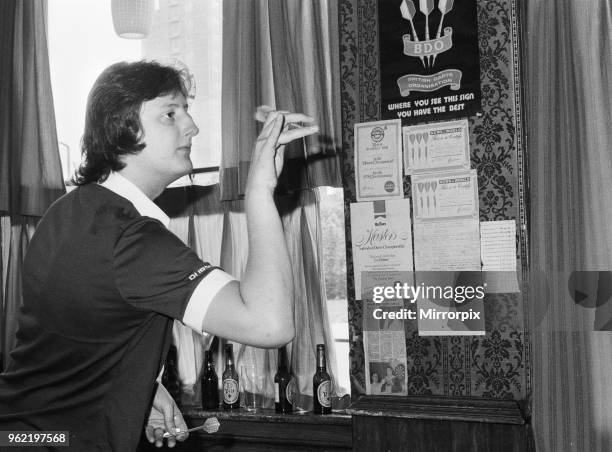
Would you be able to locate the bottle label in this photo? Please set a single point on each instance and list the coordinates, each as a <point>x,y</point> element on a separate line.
<point>230,391</point>
<point>276,393</point>
<point>324,394</point>
<point>290,390</point>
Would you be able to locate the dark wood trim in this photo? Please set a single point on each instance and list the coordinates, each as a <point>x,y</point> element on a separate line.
<point>267,430</point>
<point>374,423</point>
<point>440,409</point>
<point>208,169</point>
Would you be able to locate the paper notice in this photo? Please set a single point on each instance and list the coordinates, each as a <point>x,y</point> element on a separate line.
<point>447,253</point>
<point>378,160</point>
<point>445,195</point>
<point>384,339</point>
<point>381,238</point>
<point>439,146</point>
<point>498,255</point>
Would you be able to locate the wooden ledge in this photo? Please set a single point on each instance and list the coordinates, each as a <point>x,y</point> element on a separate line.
<point>268,430</point>
<point>439,408</point>
<point>268,415</point>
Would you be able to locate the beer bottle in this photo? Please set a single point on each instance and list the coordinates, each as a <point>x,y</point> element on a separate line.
<point>170,378</point>
<point>210,384</point>
<point>283,388</point>
<point>231,391</point>
<point>321,384</point>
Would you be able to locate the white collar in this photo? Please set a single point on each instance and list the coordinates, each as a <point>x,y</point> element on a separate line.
<point>118,184</point>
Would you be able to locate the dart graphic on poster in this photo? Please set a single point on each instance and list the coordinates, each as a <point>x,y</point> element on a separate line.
<point>429,63</point>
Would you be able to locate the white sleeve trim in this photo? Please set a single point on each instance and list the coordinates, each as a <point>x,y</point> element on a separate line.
<point>202,296</point>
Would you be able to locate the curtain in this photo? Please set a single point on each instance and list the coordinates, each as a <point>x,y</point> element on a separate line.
<point>30,169</point>
<point>16,231</point>
<point>281,53</point>
<point>284,53</point>
<point>301,222</point>
<point>569,104</point>
<point>303,233</point>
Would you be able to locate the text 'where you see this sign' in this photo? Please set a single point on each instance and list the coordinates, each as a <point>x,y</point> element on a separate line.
<point>428,59</point>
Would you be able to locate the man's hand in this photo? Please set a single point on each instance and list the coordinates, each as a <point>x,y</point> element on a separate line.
<point>279,129</point>
<point>165,417</point>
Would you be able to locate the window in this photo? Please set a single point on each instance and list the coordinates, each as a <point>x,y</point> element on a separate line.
<point>179,28</point>
<point>331,209</point>
<point>82,42</point>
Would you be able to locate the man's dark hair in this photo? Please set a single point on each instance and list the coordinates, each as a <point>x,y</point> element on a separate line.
<point>112,119</point>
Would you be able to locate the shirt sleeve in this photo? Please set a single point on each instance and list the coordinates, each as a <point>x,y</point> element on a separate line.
<point>202,297</point>
<point>157,272</point>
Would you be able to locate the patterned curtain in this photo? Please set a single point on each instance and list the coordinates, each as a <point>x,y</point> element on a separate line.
<point>569,105</point>
<point>30,169</point>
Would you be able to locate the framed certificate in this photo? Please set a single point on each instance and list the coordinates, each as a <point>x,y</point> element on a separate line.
<point>378,160</point>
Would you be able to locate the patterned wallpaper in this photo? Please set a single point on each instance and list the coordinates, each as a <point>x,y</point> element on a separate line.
<point>490,366</point>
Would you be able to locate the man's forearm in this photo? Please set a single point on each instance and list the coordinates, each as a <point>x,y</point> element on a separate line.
<point>267,284</point>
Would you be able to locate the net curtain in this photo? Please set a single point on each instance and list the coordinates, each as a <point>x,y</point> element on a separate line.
<point>217,231</point>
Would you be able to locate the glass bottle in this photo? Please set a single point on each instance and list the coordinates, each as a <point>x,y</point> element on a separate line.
<point>321,384</point>
<point>231,390</point>
<point>283,386</point>
<point>210,384</point>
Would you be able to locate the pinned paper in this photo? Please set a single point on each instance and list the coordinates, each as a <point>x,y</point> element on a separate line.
<point>498,256</point>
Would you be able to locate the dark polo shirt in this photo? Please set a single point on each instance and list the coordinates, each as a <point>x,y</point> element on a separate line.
<point>101,287</point>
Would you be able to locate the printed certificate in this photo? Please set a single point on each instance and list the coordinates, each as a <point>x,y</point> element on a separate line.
<point>381,238</point>
<point>378,160</point>
<point>445,195</point>
<point>447,245</point>
<point>440,146</point>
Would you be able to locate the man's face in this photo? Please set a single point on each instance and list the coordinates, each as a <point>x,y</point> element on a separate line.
<point>167,131</point>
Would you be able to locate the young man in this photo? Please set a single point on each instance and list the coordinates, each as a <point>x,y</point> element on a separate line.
<point>104,278</point>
